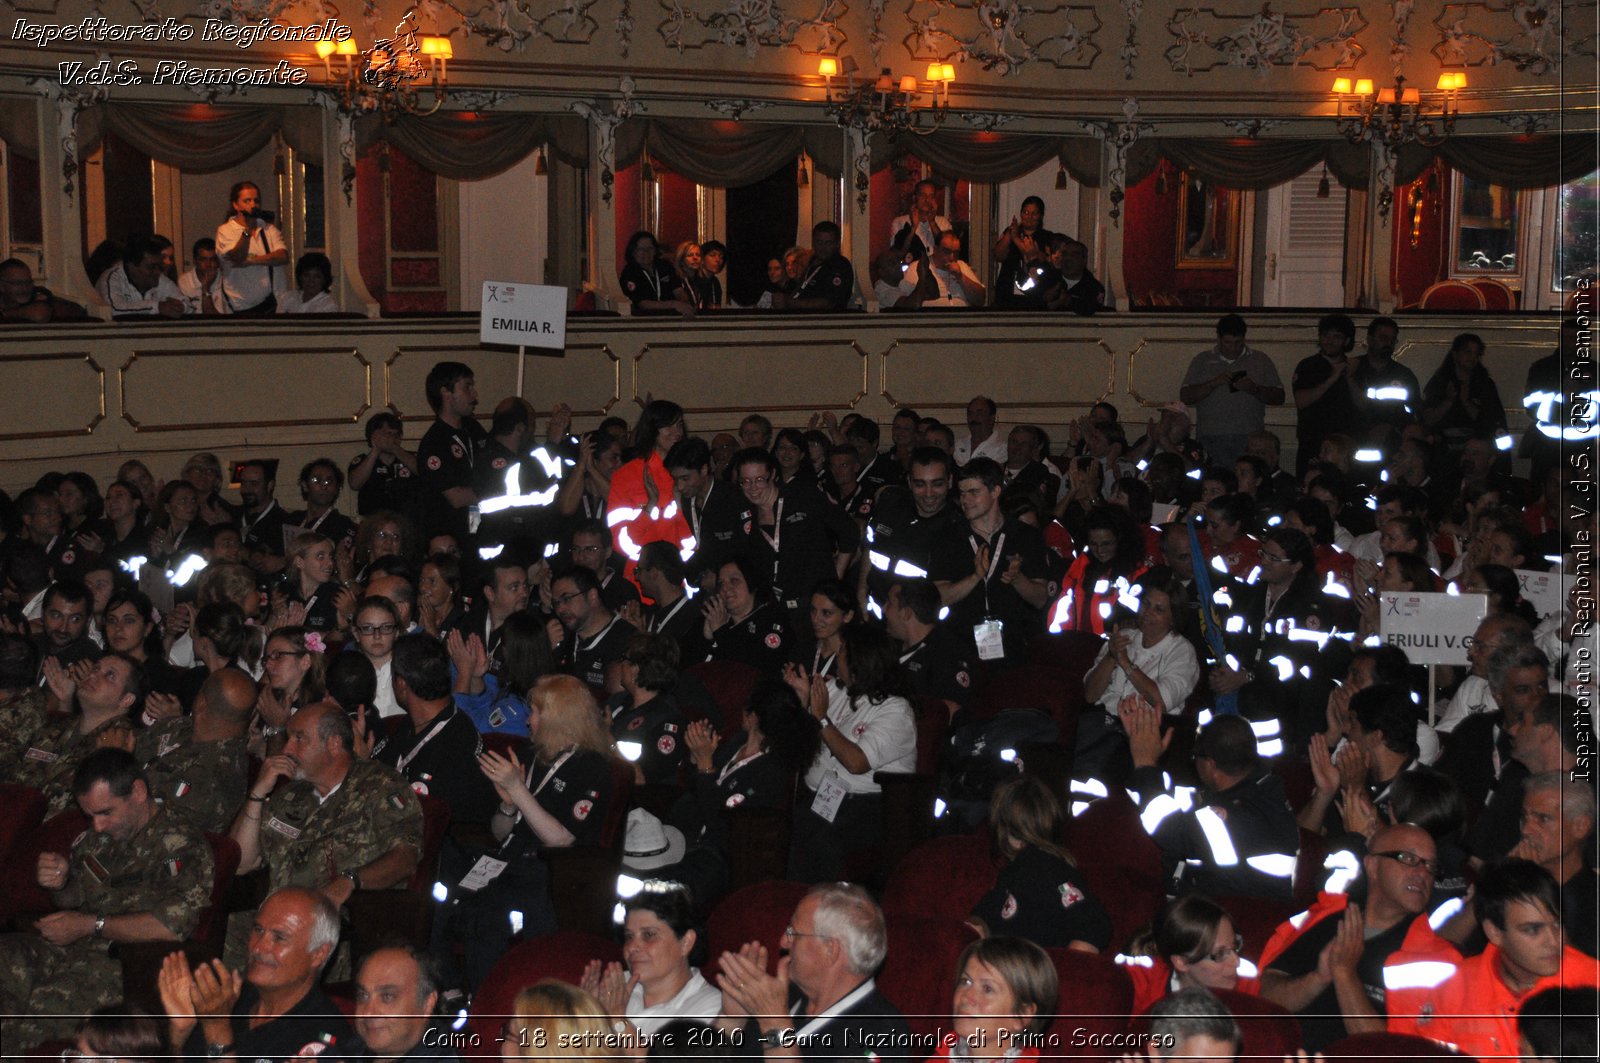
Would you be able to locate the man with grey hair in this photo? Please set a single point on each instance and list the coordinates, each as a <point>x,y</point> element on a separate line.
<point>276,1009</point>
<point>1475,696</point>
<point>822,1002</point>
<point>1558,817</point>
<point>1193,1024</point>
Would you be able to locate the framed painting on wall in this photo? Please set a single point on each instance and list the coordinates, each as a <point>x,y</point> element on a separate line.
<point>1208,224</point>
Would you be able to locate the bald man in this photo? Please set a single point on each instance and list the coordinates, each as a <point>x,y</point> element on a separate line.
<point>198,765</point>
<point>1343,963</point>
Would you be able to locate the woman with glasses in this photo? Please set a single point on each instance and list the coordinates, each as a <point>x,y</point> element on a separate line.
<point>381,534</point>
<point>377,625</point>
<point>645,721</point>
<point>1007,989</point>
<point>1192,943</point>
<point>1039,894</point>
<point>292,667</point>
<point>556,793</point>
<point>648,279</point>
<point>655,983</point>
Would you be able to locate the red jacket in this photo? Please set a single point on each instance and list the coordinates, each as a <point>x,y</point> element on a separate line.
<point>1475,1012</point>
<point>1152,980</point>
<point>632,520</point>
<point>1422,960</point>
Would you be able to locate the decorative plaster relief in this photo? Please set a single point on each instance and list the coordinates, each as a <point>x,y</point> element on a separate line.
<point>736,109</point>
<point>1119,137</point>
<point>605,116</point>
<point>1131,10</point>
<point>1322,38</point>
<point>751,25</point>
<point>995,33</point>
<point>1399,50</point>
<point>1525,33</point>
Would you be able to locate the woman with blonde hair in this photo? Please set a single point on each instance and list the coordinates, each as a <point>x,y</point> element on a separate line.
<point>1039,894</point>
<point>553,1019</point>
<point>223,582</point>
<point>561,797</point>
<point>310,569</point>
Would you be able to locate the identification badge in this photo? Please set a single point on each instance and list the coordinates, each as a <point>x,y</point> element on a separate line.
<point>286,829</point>
<point>991,647</point>
<point>485,871</point>
<point>830,795</point>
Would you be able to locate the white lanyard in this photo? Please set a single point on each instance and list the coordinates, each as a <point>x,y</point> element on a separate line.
<point>535,790</point>
<point>811,276</point>
<point>822,665</point>
<point>994,558</point>
<point>777,527</point>
<point>603,632</point>
<point>466,447</point>
<point>735,764</point>
<point>318,523</point>
<point>912,652</point>
<point>659,622</point>
<point>248,525</point>
<point>444,718</point>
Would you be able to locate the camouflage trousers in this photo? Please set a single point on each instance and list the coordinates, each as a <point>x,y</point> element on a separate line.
<point>49,990</point>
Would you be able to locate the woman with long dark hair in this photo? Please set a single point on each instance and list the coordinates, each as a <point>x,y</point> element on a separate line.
<point>648,279</point>
<point>641,506</point>
<point>1460,400</point>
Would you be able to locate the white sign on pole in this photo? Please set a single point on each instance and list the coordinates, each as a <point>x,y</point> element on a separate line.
<point>1431,628</point>
<point>523,315</point>
<point>1545,591</point>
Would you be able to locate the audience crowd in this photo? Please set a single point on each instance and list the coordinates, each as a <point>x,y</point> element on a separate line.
<point>1032,721</point>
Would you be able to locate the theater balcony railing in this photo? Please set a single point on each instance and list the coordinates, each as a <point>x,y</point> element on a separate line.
<point>90,395</point>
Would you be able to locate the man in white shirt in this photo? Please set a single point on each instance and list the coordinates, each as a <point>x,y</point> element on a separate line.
<point>253,254</point>
<point>943,280</point>
<point>982,441</point>
<point>136,285</point>
<point>924,221</point>
<point>202,285</point>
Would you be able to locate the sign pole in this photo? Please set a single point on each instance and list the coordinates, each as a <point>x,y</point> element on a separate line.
<point>522,355</point>
<point>1432,687</point>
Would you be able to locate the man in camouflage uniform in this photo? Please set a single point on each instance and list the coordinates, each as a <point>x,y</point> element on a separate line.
<point>340,824</point>
<point>139,874</point>
<point>198,765</point>
<point>22,700</point>
<point>109,692</point>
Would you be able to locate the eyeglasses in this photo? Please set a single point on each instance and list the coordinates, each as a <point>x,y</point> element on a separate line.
<point>1222,952</point>
<point>275,656</point>
<point>325,481</point>
<point>1410,859</point>
<point>376,629</point>
<point>563,599</point>
<point>584,549</point>
<point>1275,559</point>
<point>755,481</point>
<point>791,932</point>
<point>392,536</point>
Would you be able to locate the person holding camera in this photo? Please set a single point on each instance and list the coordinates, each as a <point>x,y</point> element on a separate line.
<point>1230,386</point>
<point>252,251</point>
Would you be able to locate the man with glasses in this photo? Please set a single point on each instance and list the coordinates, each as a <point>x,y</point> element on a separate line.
<point>591,549</point>
<point>338,822</point>
<point>436,746</point>
<point>1340,964</point>
<point>592,638</point>
<point>320,484</point>
<point>822,1003</point>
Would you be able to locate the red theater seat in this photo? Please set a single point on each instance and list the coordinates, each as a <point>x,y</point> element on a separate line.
<point>1096,1005</point>
<point>918,975</point>
<point>943,878</point>
<point>755,913</point>
<point>1386,1046</point>
<point>562,955</point>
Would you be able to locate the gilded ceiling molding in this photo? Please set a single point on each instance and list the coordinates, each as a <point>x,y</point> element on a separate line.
<point>1399,20</point>
<point>1131,10</point>
<point>1525,33</point>
<point>992,33</point>
<point>624,26</point>
<point>751,25</point>
<point>987,121</point>
<point>736,109</point>
<point>605,116</point>
<point>1120,136</point>
<point>1322,38</point>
